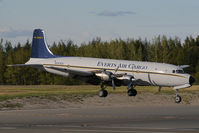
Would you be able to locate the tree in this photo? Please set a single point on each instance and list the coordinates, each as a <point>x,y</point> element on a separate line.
<point>160,49</point>
<point>2,63</point>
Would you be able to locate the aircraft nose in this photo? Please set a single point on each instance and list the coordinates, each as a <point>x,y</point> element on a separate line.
<point>191,80</point>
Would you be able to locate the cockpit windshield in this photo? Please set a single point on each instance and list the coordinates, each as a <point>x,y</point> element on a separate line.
<point>178,71</point>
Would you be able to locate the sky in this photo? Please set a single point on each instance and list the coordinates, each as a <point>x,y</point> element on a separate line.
<point>83,20</point>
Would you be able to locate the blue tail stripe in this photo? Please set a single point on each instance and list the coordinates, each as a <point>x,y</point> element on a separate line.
<point>39,46</point>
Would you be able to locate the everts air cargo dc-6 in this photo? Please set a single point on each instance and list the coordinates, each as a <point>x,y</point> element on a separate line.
<point>108,72</point>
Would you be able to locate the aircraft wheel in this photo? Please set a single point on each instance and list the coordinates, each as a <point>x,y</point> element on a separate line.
<point>178,99</point>
<point>103,93</point>
<point>132,92</point>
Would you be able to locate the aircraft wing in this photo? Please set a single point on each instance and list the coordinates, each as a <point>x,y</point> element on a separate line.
<point>91,76</point>
<point>70,71</point>
<point>60,69</point>
<point>87,74</point>
<point>140,82</point>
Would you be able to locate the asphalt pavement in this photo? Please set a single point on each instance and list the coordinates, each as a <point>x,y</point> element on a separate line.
<point>139,119</point>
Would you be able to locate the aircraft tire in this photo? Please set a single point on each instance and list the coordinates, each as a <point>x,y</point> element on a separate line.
<point>132,92</point>
<point>103,93</point>
<point>178,99</point>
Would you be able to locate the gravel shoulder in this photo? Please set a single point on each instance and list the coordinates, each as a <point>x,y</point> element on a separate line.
<point>113,99</point>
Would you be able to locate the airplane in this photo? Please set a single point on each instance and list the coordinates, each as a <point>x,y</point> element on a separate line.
<point>108,72</point>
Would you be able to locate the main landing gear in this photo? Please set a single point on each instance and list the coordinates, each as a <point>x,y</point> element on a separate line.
<point>132,92</point>
<point>178,98</point>
<point>103,92</point>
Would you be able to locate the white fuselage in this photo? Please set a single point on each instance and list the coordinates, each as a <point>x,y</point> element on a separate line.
<point>158,74</point>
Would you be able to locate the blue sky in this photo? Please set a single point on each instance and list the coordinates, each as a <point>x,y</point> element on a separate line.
<point>83,20</point>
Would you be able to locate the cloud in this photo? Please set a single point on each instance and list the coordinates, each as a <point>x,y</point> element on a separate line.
<point>115,13</point>
<point>13,33</point>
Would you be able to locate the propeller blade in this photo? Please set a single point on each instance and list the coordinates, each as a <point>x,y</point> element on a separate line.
<point>129,85</point>
<point>159,89</point>
<point>113,84</point>
<point>116,69</point>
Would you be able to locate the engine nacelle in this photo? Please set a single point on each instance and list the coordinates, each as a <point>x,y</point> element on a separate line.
<point>126,79</point>
<point>105,76</point>
<point>122,79</point>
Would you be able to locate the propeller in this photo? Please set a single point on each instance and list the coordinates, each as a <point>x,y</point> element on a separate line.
<point>107,76</point>
<point>116,69</point>
<point>113,83</point>
<point>113,77</point>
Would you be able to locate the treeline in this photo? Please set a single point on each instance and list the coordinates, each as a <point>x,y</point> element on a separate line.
<point>160,49</point>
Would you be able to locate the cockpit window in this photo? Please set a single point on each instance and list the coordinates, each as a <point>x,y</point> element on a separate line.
<point>179,71</point>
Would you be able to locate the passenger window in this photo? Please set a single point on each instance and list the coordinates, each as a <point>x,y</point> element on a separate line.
<point>173,71</point>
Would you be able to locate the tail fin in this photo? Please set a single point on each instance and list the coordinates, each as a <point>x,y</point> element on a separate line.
<point>39,46</point>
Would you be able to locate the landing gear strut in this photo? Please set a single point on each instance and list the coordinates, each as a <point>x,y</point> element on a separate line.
<point>103,92</point>
<point>178,98</point>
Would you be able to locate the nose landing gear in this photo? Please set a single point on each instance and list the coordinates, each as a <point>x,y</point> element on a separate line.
<point>178,98</point>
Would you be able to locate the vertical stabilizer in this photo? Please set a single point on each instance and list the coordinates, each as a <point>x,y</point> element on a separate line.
<point>39,45</point>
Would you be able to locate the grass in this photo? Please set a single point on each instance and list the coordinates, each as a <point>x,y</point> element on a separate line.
<point>10,105</point>
<point>74,92</point>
